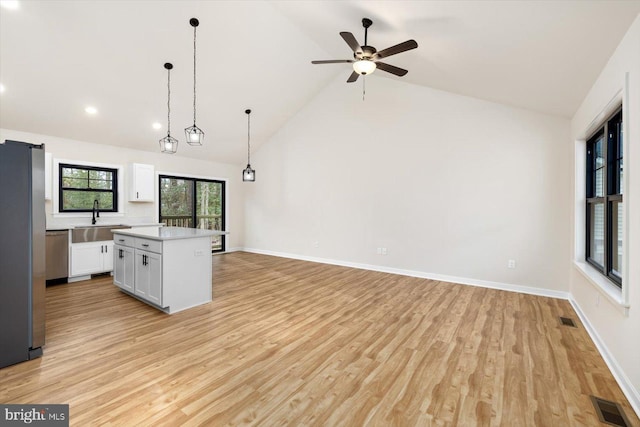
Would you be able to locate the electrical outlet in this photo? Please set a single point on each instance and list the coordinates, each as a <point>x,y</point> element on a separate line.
<point>384,251</point>
<point>511,263</point>
<point>379,251</point>
<point>198,253</point>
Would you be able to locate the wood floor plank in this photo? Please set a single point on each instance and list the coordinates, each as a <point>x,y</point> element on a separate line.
<point>287,342</point>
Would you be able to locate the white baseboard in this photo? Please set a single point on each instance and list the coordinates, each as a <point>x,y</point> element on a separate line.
<point>631,393</point>
<point>423,275</point>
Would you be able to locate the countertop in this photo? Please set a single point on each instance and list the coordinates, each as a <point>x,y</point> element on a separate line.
<point>167,233</point>
<point>72,226</point>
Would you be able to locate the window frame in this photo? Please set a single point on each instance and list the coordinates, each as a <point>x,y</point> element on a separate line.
<point>194,202</point>
<point>613,190</point>
<point>114,186</point>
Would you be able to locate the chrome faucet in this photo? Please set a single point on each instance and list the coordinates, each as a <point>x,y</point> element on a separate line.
<point>95,211</point>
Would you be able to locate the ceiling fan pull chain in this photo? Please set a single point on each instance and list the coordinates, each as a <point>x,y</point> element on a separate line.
<point>364,79</point>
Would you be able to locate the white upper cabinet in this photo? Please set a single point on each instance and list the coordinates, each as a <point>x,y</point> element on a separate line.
<point>141,180</point>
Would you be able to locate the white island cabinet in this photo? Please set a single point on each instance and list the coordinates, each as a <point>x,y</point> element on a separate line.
<point>166,267</point>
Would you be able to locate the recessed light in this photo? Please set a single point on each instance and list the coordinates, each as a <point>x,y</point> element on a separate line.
<point>156,126</point>
<point>91,110</point>
<point>10,4</point>
<point>2,88</point>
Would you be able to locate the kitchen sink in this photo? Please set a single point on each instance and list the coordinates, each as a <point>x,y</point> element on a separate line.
<point>94,233</point>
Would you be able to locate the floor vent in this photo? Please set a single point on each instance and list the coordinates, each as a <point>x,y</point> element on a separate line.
<point>568,322</point>
<point>610,412</point>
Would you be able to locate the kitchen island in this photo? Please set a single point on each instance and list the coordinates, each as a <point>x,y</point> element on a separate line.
<point>166,267</point>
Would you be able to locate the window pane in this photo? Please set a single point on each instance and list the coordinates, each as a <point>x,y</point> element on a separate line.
<point>176,202</point>
<point>83,200</point>
<point>209,209</point>
<point>100,174</point>
<point>598,166</point>
<point>596,232</point>
<point>599,182</point>
<point>620,177</point>
<point>102,185</point>
<point>75,173</point>
<point>68,182</point>
<point>617,209</point>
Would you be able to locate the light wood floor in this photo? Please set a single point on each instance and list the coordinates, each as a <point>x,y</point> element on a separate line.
<point>289,342</point>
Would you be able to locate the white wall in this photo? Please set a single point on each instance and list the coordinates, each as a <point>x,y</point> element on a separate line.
<point>450,185</point>
<point>617,331</point>
<point>67,149</point>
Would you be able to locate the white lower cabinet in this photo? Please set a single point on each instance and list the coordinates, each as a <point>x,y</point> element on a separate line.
<point>138,268</point>
<point>148,276</point>
<point>123,268</point>
<point>171,274</point>
<point>91,258</point>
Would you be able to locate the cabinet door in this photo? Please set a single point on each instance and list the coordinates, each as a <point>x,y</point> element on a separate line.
<point>154,263</point>
<point>86,258</point>
<point>107,256</point>
<point>141,273</point>
<point>142,179</point>
<point>148,276</point>
<point>123,271</point>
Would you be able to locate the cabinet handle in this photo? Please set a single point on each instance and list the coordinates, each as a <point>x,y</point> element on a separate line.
<point>106,249</point>
<point>120,254</point>
<point>101,249</point>
<point>137,195</point>
<point>120,240</point>
<point>146,245</point>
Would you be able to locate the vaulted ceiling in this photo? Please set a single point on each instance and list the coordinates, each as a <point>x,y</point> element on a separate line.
<point>57,57</point>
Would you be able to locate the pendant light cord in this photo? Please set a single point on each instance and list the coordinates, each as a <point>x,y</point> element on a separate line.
<point>194,76</point>
<point>248,138</point>
<point>169,102</point>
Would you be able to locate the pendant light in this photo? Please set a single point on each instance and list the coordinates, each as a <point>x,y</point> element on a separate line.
<point>168,144</point>
<point>248,174</point>
<point>194,134</point>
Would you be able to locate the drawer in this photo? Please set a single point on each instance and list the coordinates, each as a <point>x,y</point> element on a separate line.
<point>121,239</point>
<point>149,245</point>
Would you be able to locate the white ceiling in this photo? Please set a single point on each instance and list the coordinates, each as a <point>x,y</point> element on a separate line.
<point>56,57</point>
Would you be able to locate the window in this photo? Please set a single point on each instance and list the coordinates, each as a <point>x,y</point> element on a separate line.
<point>604,219</point>
<point>80,186</point>
<point>195,203</point>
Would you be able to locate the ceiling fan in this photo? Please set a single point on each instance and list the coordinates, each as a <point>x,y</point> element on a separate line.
<point>367,58</point>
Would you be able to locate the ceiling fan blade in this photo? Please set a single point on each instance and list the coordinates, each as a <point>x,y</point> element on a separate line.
<point>333,61</point>
<point>391,69</point>
<point>394,50</point>
<point>353,77</point>
<point>351,41</point>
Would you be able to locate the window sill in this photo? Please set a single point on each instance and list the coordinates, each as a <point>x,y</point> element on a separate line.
<point>602,284</point>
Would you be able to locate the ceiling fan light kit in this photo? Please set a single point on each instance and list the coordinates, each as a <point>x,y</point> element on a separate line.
<point>364,67</point>
<point>367,58</point>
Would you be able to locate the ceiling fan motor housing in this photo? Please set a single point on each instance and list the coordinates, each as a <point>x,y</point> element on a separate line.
<point>365,52</point>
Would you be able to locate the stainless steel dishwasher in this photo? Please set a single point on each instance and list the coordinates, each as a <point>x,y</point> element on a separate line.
<point>57,256</point>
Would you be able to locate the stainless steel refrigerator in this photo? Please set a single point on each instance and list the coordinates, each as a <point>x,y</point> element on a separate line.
<point>22,252</point>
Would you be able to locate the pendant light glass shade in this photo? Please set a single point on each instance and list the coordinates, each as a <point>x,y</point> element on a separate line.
<point>248,174</point>
<point>193,134</point>
<point>168,144</point>
<point>364,66</point>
